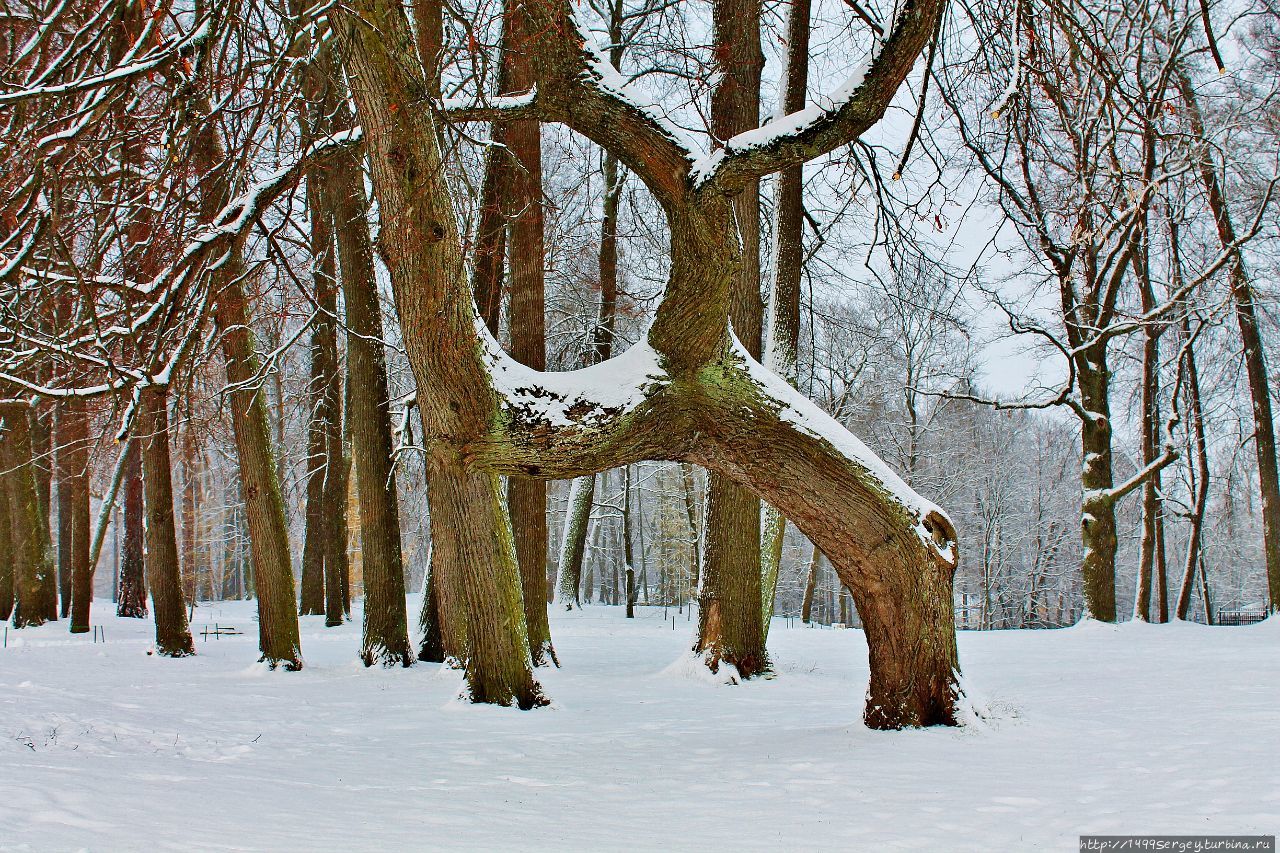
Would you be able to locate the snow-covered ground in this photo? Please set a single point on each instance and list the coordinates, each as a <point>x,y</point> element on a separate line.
<point>1095,729</point>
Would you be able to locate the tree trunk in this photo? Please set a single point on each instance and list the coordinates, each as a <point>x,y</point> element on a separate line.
<point>337,480</point>
<point>810,586</point>
<point>131,597</point>
<point>730,615</point>
<point>315,524</point>
<point>164,575</point>
<point>471,534</point>
<point>73,478</point>
<point>385,636</point>
<point>1264,439</point>
<point>7,541</point>
<point>34,572</point>
<point>259,483</point>
<point>784,303</point>
<point>1098,524</point>
<point>573,541</point>
<point>1199,475</point>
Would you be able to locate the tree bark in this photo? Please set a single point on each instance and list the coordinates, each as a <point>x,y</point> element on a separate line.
<point>471,534</point>
<point>385,633</point>
<point>1199,459</point>
<point>131,595</point>
<point>164,575</point>
<point>73,498</point>
<point>7,543</point>
<point>34,572</point>
<point>730,613</point>
<point>1098,519</point>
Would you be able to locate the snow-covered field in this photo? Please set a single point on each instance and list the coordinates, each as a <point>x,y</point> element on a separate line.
<point>1095,729</point>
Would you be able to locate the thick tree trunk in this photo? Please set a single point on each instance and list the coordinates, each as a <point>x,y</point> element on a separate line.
<point>164,575</point>
<point>730,613</point>
<point>385,635</point>
<point>1098,515</point>
<point>131,591</point>
<point>1264,439</point>
<point>471,534</point>
<point>34,571</point>
<point>73,478</point>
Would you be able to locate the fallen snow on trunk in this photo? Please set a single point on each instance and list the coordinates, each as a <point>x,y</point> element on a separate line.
<point>585,397</point>
<point>1097,729</point>
<point>805,415</point>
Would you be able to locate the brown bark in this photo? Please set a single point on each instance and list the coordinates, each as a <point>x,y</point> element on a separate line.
<point>730,616</point>
<point>810,586</point>
<point>73,463</point>
<point>6,545</point>
<point>385,637</point>
<point>164,575</point>
<point>34,571</point>
<point>710,407</point>
<point>471,535</point>
<point>259,483</point>
<point>131,590</point>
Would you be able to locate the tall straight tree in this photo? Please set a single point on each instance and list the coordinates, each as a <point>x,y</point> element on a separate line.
<point>1253,351</point>
<point>573,541</point>
<point>526,497</point>
<point>73,479</point>
<point>730,617</point>
<point>164,575</point>
<point>34,572</point>
<point>783,328</point>
<point>131,586</point>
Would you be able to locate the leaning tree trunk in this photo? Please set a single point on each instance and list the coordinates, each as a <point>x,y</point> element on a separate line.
<point>131,589</point>
<point>164,575</point>
<point>1264,437</point>
<point>784,305</point>
<point>385,637</point>
<point>730,616</point>
<point>472,548</point>
<point>259,482</point>
<point>73,473</point>
<point>34,571</point>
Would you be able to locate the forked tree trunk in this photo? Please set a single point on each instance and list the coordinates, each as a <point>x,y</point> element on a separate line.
<point>34,572</point>
<point>783,328</point>
<point>73,473</point>
<point>164,575</point>
<point>385,636</point>
<point>730,615</point>
<point>131,589</point>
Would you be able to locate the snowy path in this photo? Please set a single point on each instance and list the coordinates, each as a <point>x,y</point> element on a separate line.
<point>1096,729</point>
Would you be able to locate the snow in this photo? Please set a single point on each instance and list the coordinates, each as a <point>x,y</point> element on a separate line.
<point>587,396</point>
<point>1096,729</point>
